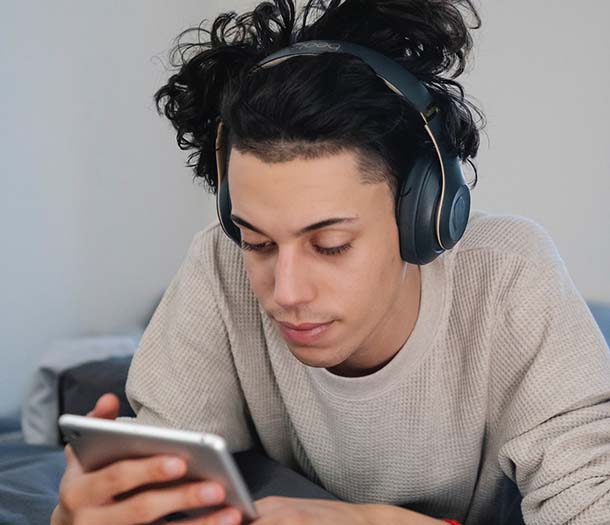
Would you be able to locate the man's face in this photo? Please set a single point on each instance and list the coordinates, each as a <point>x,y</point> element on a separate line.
<point>347,274</point>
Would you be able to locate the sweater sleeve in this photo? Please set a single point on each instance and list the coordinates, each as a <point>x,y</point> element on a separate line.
<point>550,393</point>
<point>183,374</point>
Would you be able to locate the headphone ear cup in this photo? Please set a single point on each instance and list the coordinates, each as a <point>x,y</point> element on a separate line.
<point>456,206</point>
<point>223,209</point>
<point>416,208</point>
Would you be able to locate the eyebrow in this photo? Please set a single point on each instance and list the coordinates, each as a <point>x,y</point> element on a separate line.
<point>316,226</point>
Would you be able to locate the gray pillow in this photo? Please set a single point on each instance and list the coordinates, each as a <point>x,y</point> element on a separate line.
<point>40,409</point>
<point>81,386</point>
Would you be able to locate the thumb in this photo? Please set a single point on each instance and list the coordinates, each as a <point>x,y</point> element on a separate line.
<point>107,407</point>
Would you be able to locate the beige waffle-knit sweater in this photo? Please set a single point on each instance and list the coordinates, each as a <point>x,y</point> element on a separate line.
<point>505,378</point>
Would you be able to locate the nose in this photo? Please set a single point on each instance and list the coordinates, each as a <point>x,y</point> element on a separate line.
<point>293,285</point>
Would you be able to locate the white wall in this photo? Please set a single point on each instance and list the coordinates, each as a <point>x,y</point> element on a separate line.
<point>97,208</point>
<point>542,74</point>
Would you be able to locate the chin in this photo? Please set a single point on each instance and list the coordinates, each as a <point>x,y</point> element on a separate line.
<point>315,357</point>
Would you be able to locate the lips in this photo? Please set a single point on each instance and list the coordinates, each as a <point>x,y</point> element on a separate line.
<point>303,326</point>
<point>305,333</point>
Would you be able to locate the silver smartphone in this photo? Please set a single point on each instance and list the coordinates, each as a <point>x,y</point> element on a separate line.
<point>100,442</point>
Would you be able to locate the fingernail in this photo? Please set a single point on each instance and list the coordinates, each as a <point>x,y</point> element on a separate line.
<point>227,518</point>
<point>172,466</point>
<point>209,493</point>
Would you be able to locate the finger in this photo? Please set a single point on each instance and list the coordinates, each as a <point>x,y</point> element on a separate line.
<point>71,478</point>
<point>101,486</point>
<point>106,407</point>
<point>72,464</point>
<point>69,453</point>
<point>152,504</point>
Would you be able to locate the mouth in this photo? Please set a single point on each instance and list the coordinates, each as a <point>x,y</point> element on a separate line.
<point>306,333</point>
<point>302,326</point>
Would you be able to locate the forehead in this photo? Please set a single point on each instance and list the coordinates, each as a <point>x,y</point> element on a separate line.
<point>284,197</point>
<point>334,168</point>
<point>281,198</point>
<point>326,180</point>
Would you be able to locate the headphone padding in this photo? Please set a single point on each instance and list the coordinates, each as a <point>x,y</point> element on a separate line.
<point>415,211</point>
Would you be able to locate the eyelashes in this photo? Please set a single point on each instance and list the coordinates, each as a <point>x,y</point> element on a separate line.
<point>265,247</point>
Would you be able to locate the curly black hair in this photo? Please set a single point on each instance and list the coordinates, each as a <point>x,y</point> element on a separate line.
<point>318,105</point>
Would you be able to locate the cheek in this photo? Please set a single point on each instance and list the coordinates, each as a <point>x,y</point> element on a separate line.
<point>368,285</point>
<point>365,281</point>
<point>373,280</point>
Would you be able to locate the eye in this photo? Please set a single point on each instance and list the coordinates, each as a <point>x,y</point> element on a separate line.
<point>335,250</point>
<point>254,247</point>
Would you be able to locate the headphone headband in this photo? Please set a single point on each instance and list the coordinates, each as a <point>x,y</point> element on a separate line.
<point>396,77</point>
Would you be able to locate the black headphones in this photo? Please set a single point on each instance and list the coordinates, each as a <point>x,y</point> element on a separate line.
<point>433,199</point>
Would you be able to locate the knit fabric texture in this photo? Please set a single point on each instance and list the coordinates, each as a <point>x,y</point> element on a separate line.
<point>495,410</point>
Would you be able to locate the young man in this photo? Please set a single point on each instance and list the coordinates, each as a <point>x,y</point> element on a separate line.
<point>462,388</point>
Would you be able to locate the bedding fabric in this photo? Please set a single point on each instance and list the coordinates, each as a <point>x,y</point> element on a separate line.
<point>29,482</point>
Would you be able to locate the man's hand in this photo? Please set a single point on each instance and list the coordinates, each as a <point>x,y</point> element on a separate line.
<point>290,511</point>
<point>89,498</point>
